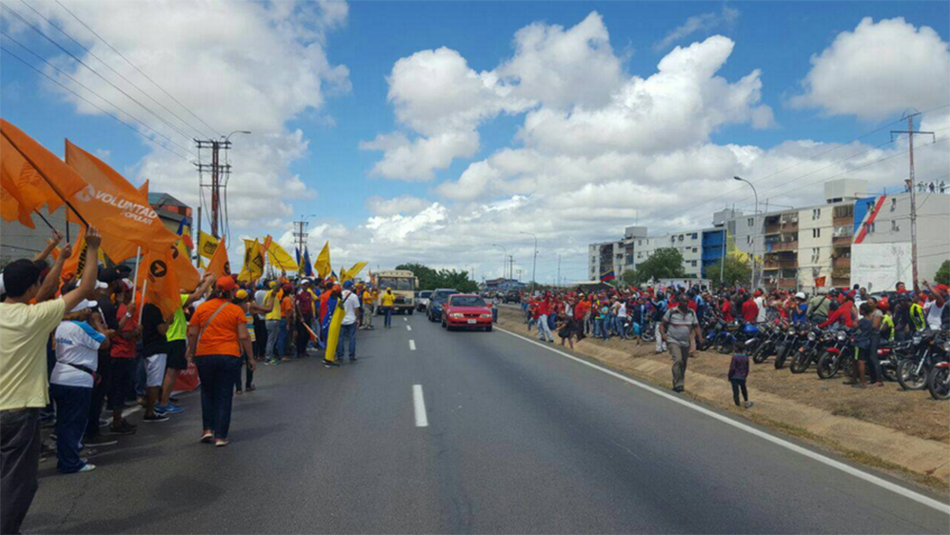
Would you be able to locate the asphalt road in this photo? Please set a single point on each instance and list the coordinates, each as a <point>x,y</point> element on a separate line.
<point>519,440</point>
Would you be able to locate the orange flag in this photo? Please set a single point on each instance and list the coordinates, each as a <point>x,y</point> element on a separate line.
<point>120,210</point>
<point>188,276</point>
<point>32,176</point>
<point>73,265</point>
<point>162,289</point>
<point>219,265</point>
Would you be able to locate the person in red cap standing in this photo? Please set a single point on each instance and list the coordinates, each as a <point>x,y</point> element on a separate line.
<point>217,333</point>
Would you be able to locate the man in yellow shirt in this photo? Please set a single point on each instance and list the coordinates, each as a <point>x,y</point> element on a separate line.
<point>272,321</point>
<point>386,302</point>
<point>24,387</point>
<point>369,307</point>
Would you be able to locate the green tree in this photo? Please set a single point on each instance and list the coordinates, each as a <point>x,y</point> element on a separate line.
<point>666,263</point>
<point>733,272</point>
<point>629,277</point>
<point>943,274</point>
<point>430,279</point>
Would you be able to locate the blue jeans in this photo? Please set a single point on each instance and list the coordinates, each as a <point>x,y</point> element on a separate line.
<point>544,330</point>
<point>282,338</point>
<point>598,326</point>
<point>347,332</point>
<point>531,322</point>
<point>273,328</point>
<point>388,311</point>
<point>72,413</point>
<point>217,374</point>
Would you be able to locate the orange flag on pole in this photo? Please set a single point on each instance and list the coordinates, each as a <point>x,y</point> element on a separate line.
<point>219,265</point>
<point>159,279</point>
<point>188,276</point>
<point>120,210</point>
<point>32,175</point>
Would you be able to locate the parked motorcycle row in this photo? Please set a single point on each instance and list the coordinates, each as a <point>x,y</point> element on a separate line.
<point>922,361</point>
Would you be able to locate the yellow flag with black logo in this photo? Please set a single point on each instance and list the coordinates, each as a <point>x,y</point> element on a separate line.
<point>253,261</point>
<point>207,244</point>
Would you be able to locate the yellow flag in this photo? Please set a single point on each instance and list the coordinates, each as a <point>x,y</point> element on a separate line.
<point>253,261</point>
<point>279,258</point>
<point>322,264</point>
<point>207,244</point>
<point>350,274</point>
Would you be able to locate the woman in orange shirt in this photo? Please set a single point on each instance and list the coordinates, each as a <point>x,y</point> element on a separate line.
<point>217,333</point>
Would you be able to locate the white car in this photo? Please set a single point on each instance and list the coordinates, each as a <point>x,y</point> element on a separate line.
<point>422,300</point>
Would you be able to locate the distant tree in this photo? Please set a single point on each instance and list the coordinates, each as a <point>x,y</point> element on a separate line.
<point>430,279</point>
<point>666,263</point>
<point>943,274</point>
<point>734,272</point>
<point>629,277</point>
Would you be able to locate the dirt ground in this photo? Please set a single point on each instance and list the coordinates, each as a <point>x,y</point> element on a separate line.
<point>914,413</point>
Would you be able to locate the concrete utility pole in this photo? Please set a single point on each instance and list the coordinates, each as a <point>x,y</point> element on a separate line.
<point>910,183</point>
<point>220,173</point>
<point>504,260</point>
<point>534,262</point>
<point>511,267</point>
<point>300,235</point>
<point>755,228</point>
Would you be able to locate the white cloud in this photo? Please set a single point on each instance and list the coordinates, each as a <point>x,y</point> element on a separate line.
<point>879,70</point>
<point>698,23</point>
<point>581,169</point>
<point>404,204</point>
<point>256,67</point>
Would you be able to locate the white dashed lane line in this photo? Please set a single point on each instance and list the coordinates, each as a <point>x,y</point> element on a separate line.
<point>408,327</point>
<point>412,345</point>
<point>419,404</point>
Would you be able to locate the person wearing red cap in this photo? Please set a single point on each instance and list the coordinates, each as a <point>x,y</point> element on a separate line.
<point>938,313</point>
<point>217,333</point>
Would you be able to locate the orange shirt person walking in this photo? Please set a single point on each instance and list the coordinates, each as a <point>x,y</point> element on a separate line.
<point>217,333</point>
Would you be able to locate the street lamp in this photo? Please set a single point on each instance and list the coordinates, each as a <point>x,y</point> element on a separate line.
<point>755,228</point>
<point>534,262</point>
<point>504,261</point>
<point>236,132</point>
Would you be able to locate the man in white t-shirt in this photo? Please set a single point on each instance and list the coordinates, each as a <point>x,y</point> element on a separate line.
<point>350,302</point>
<point>936,304</point>
<point>760,302</point>
<point>78,341</point>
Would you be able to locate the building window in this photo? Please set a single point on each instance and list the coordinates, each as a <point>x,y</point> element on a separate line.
<point>695,249</point>
<point>695,235</point>
<point>692,263</point>
<point>681,237</point>
<point>751,221</point>
<point>815,254</point>
<point>815,213</point>
<point>870,227</point>
<point>748,240</point>
<point>816,233</point>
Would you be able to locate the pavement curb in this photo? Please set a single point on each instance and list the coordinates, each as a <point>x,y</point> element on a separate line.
<point>860,441</point>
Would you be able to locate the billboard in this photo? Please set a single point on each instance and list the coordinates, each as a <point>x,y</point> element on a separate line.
<point>879,266</point>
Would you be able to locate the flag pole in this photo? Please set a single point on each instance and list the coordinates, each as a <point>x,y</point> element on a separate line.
<point>142,308</point>
<point>37,212</point>
<point>135,278</point>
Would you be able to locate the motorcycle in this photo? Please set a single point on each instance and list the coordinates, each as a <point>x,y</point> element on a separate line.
<point>938,380</point>
<point>735,335</point>
<point>912,372</point>
<point>774,333</point>
<point>795,336</point>
<point>815,342</point>
<point>837,356</point>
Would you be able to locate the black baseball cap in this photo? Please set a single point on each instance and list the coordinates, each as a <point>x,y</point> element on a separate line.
<point>109,275</point>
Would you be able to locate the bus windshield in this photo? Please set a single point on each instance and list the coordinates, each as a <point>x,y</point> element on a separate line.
<point>396,283</point>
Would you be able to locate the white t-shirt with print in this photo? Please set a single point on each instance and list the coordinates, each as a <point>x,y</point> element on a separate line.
<point>76,343</point>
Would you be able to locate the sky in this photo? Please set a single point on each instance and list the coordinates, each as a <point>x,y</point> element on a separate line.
<point>443,132</point>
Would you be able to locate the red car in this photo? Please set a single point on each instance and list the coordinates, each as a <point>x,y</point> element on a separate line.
<point>466,311</point>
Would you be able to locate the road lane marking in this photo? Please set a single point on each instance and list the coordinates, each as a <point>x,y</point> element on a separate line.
<point>419,404</point>
<point>405,318</point>
<point>408,327</point>
<point>860,474</point>
<point>412,345</point>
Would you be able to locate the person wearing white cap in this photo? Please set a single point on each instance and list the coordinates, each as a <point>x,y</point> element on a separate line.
<point>72,380</point>
<point>24,386</point>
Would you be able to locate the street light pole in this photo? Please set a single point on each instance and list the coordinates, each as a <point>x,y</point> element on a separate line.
<point>534,262</point>
<point>755,228</point>
<point>504,261</point>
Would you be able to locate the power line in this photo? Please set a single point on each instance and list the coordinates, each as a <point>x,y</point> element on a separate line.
<point>131,127</point>
<point>84,64</point>
<point>117,73</point>
<point>140,71</point>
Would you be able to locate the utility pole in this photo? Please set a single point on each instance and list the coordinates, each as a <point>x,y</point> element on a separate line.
<point>511,267</point>
<point>300,235</point>
<point>559,270</point>
<point>219,174</point>
<point>911,186</point>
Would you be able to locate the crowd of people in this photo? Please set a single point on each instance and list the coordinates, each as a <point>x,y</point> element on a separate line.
<point>673,316</point>
<point>71,349</point>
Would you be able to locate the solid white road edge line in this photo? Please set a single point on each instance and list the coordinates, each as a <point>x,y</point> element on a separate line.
<point>860,474</point>
<point>419,404</point>
<point>412,345</point>
<point>408,327</point>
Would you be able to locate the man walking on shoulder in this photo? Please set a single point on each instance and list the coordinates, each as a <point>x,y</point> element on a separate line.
<point>350,303</point>
<point>677,330</point>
